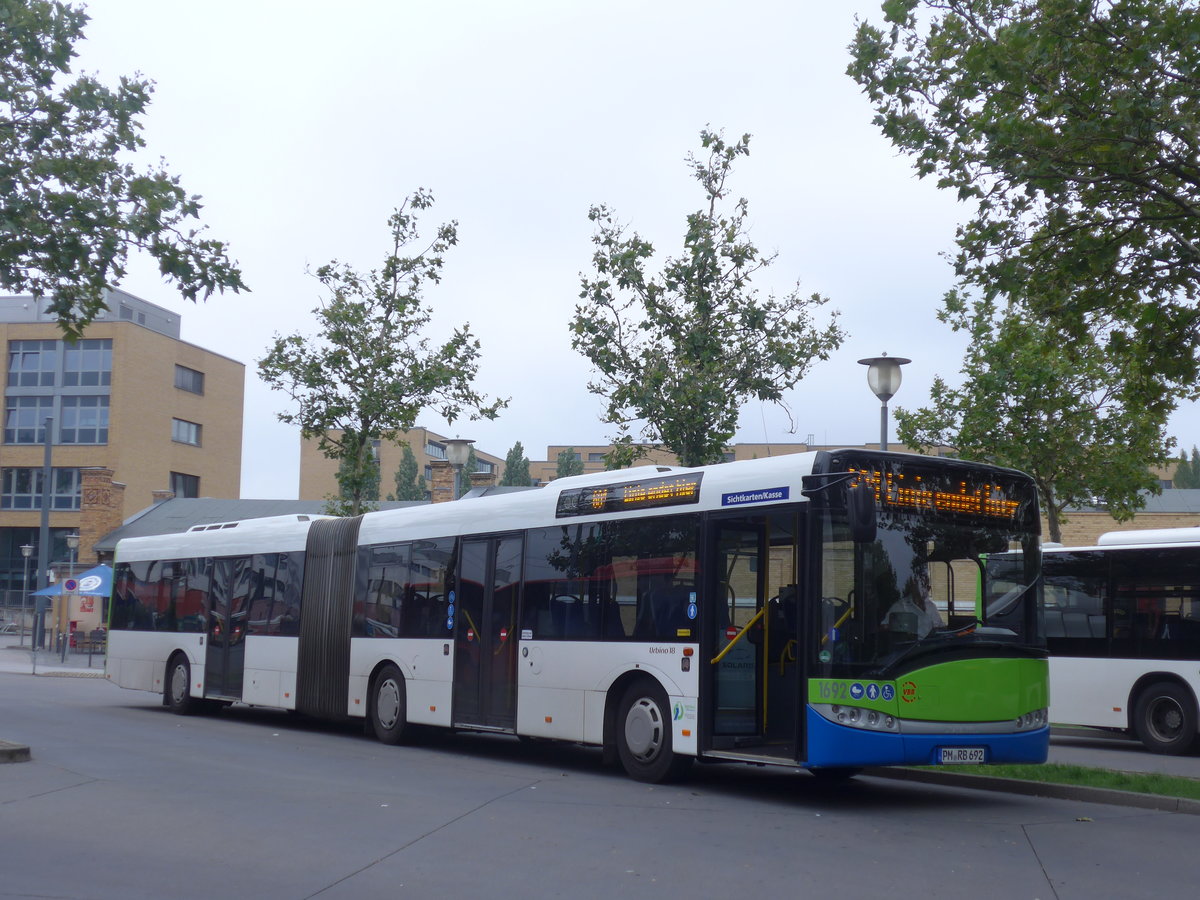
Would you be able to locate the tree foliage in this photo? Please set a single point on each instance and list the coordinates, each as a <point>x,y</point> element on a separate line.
<point>369,372</point>
<point>516,467</point>
<point>1072,127</point>
<point>358,486</point>
<point>72,206</point>
<point>682,350</point>
<point>1187,472</point>
<point>568,463</point>
<point>1085,429</point>
<point>410,484</point>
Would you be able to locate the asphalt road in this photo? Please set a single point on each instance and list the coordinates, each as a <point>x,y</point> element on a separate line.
<point>124,800</point>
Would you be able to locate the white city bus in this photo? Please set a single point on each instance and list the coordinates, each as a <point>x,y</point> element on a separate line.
<point>731,612</point>
<point>1122,623</point>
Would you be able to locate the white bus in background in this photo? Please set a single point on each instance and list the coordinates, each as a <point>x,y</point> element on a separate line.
<point>1122,624</point>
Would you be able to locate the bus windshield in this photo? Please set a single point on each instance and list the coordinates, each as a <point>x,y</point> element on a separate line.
<point>921,582</point>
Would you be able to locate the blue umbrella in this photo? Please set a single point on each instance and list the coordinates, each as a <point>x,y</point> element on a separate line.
<point>95,582</point>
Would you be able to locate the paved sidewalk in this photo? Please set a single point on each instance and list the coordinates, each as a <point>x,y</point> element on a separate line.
<point>20,660</point>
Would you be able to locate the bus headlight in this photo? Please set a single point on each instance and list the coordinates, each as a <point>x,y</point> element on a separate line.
<point>1033,720</point>
<point>856,717</point>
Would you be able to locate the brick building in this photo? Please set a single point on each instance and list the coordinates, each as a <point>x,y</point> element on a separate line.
<point>133,410</point>
<point>318,473</point>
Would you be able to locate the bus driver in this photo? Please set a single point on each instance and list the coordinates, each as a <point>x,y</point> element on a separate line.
<point>914,613</point>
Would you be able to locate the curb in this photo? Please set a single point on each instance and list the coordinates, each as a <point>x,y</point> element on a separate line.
<point>10,753</point>
<point>1043,789</point>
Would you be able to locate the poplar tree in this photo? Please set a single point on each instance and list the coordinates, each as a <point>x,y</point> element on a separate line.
<point>516,467</point>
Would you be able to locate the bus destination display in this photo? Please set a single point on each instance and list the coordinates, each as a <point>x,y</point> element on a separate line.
<point>671,490</point>
<point>912,492</point>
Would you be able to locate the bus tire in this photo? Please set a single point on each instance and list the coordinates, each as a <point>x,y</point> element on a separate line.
<point>389,706</point>
<point>644,735</point>
<point>1164,719</point>
<point>178,687</point>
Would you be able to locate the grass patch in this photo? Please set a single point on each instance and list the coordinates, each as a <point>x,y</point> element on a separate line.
<point>1083,776</point>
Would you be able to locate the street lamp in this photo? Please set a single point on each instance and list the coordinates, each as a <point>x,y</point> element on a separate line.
<point>883,377</point>
<point>65,598</point>
<point>458,450</point>
<point>26,552</point>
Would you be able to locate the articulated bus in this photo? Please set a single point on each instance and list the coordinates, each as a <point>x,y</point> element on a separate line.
<point>1122,624</point>
<point>737,612</point>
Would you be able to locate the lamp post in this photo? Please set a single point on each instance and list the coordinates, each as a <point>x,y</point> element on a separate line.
<point>458,450</point>
<point>883,377</point>
<point>26,552</point>
<point>65,598</point>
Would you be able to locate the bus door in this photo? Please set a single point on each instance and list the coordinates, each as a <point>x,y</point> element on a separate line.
<point>751,643</point>
<point>225,655</point>
<point>485,642</point>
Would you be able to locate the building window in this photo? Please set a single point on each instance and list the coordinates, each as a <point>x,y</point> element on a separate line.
<point>84,420</point>
<point>189,380</point>
<point>437,451</point>
<point>88,363</point>
<point>32,363</point>
<point>482,465</point>
<point>184,432</point>
<point>596,457</point>
<point>25,419</point>
<point>187,486</point>
<point>22,488</point>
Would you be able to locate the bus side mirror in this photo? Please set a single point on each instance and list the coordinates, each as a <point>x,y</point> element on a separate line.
<point>860,511</point>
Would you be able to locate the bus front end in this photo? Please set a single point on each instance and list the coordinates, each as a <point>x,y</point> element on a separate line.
<point>907,664</point>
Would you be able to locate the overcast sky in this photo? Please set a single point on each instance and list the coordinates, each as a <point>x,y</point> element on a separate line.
<point>303,125</point>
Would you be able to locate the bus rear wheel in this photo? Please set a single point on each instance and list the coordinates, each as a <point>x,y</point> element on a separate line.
<point>178,689</point>
<point>1164,719</point>
<point>644,735</point>
<point>389,705</point>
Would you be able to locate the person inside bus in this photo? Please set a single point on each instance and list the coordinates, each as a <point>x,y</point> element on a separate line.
<point>914,613</point>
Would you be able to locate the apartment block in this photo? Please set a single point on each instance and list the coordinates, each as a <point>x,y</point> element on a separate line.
<point>129,397</point>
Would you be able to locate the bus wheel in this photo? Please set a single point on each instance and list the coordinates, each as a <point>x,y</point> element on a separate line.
<point>644,735</point>
<point>179,682</point>
<point>1164,719</point>
<point>388,706</point>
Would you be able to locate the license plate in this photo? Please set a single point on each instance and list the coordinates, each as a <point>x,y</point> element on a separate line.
<point>963,756</point>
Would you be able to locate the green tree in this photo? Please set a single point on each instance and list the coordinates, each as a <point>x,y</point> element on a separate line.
<point>516,467</point>
<point>1082,427</point>
<point>568,463</point>
<point>358,486</point>
<point>1071,128</point>
<point>683,350</point>
<point>369,372</point>
<point>72,205</point>
<point>1187,474</point>
<point>410,485</point>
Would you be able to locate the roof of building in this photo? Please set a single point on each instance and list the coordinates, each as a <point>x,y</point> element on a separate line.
<point>180,514</point>
<point>1175,501</point>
